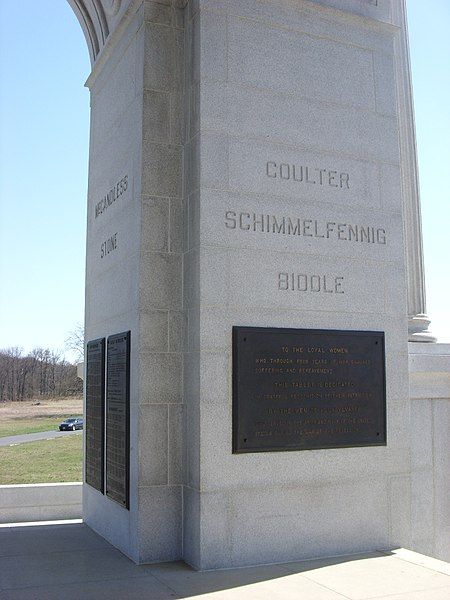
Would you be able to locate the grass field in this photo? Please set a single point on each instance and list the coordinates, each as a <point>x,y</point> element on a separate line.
<point>20,426</point>
<point>17,418</point>
<point>48,461</point>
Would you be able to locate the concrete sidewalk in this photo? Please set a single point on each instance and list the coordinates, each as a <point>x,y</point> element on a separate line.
<point>70,562</point>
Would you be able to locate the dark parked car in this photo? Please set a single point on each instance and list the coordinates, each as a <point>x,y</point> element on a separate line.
<point>71,424</point>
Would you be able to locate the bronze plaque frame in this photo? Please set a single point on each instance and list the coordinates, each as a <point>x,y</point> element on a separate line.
<point>307,389</point>
<point>118,418</point>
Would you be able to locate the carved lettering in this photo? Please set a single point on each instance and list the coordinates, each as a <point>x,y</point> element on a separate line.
<point>307,174</point>
<point>302,282</point>
<point>302,227</point>
<point>114,194</point>
<point>108,246</point>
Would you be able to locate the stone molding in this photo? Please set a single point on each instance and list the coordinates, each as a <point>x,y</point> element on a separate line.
<point>92,18</point>
<point>112,6</point>
<point>418,322</point>
<point>100,19</point>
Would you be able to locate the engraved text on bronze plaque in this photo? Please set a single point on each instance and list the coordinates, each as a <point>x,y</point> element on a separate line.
<point>95,413</point>
<point>118,418</point>
<point>305,389</point>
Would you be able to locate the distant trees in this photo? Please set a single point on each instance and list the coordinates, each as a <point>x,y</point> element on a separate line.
<point>42,372</point>
<point>75,341</point>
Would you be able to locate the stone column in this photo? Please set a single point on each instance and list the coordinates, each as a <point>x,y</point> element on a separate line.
<point>418,321</point>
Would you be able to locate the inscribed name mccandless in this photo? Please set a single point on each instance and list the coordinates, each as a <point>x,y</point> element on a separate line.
<point>113,194</point>
<point>285,225</point>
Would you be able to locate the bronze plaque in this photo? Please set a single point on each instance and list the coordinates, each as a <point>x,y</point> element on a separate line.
<point>118,418</point>
<point>95,413</point>
<point>305,389</point>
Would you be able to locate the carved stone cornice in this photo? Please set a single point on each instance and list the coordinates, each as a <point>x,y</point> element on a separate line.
<point>96,18</point>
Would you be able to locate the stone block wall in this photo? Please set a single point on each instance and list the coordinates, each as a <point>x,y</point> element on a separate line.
<point>430,449</point>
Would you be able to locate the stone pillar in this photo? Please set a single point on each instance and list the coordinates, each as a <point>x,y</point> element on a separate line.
<point>275,86</point>
<point>418,321</point>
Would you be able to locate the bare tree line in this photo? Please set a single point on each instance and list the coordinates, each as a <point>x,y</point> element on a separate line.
<point>41,373</point>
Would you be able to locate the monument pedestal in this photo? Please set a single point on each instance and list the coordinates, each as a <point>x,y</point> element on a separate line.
<point>245,170</point>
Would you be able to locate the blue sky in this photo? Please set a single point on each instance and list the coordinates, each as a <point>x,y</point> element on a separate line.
<point>44,152</point>
<point>429,26</point>
<point>44,110</point>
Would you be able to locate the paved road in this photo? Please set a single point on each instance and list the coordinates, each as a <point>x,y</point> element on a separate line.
<point>35,437</point>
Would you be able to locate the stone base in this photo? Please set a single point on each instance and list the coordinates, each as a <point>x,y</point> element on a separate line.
<point>418,329</point>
